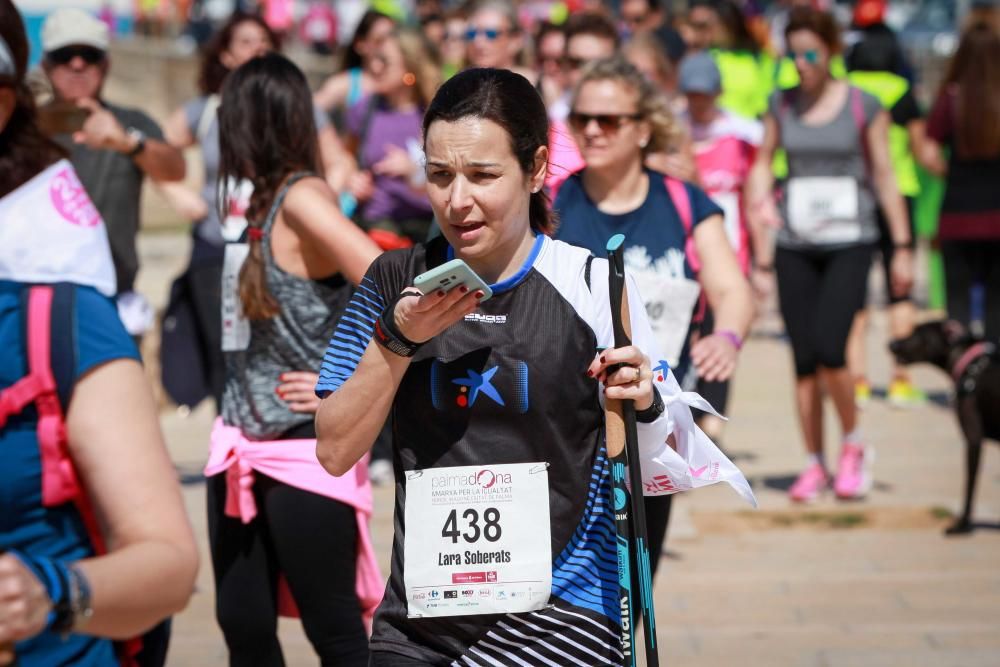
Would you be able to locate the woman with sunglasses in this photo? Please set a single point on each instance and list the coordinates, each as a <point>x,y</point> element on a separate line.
<point>88,447</point>
<point>837,143</point>
<point>617,119</point>
<point>493,37</point>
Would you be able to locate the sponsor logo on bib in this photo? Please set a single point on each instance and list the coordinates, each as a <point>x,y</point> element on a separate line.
<point>70,199</point>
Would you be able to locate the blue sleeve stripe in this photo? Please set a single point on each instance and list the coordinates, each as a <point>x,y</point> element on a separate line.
<point>338,350</point>
<point>360,299</point>
<point>361,326</point>
<point>332,368</point>
<point>361,310</point>
<point>351,337</point>
<point>375,296</point>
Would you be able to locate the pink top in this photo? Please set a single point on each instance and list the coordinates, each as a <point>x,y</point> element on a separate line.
<point>724,153</point>
<point>564,156</point>
<point>294,462</point>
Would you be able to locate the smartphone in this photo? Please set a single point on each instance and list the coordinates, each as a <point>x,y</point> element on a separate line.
<point>449,276</point>
<point>61,118</point>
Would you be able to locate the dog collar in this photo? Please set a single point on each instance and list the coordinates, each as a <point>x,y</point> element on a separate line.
<point>969,366</point>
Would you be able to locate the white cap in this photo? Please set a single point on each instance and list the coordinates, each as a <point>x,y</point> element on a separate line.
<point>64,27</point>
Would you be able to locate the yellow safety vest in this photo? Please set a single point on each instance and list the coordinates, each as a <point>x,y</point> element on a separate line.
<point>889,88</point>
<point>746,81</point>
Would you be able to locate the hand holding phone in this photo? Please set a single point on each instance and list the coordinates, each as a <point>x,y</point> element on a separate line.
<point>61,118</point>
<point>450,275</point>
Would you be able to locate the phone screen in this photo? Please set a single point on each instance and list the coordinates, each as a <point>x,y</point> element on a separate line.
<point>61,118</point>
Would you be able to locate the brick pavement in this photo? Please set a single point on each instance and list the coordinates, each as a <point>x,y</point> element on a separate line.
<point>833,585</point>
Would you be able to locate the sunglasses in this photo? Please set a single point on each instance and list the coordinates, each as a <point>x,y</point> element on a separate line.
<point>489,33</point>
<point>607,122</point>
<point>635,20</point>
<point>571,63</point>
<point>811,56</point>
<point>65,55</point>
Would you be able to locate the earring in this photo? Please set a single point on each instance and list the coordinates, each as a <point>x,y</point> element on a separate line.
<point>643,143</point>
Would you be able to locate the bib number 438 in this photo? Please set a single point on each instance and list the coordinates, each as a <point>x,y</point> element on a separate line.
<point>491,529</point>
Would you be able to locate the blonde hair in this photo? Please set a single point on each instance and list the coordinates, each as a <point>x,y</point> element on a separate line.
<point>652,105</point>
<point>422,59</point>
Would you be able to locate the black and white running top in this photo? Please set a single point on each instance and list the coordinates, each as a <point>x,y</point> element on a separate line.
<point>526,350</point>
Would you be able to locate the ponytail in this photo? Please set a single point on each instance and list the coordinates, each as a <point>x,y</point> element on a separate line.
<point>258,302</point>
<point>540,214</point>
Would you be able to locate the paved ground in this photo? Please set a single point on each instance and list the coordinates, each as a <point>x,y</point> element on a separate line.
<point>833,585</point>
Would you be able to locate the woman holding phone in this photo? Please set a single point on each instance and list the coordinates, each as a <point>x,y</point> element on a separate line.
<point>502,480</point>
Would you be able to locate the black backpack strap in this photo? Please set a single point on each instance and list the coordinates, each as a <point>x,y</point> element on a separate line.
<point>63,346</point>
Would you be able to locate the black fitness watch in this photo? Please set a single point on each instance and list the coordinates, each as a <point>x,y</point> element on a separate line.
<point>388,335</point>
<point>653,412</point>
<point>74,609</point>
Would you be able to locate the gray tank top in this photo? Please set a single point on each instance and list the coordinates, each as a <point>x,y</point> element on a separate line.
<point>815,155</point>
<point>293,340</point>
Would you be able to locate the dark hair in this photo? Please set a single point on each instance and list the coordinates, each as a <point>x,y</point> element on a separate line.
<point>822,24</point>
<point>266,133</point>
<point>368,20</point>
<point>878,50</point>
<point>213,73</point>
<point>974,75</point>
<point>545,28</point>
<point>732,17</point>
<point>510,101</point>
<point>24,150</point>
<point>592,23</point>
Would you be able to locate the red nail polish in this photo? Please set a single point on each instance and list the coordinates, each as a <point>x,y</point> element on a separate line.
<point>603,360</point>
<point>440,293</point>
<point>590,373</point>
<point>480,294</point>
<point>463,289</point>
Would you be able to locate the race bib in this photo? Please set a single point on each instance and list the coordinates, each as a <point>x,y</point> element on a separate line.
<point>235,326</point>
<point>477,540</point>
<point>824,210</point>
<point>729,202</point>
<point>670,304</point>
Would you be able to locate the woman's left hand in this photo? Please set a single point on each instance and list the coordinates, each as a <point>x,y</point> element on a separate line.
<point>901,272</point>
<point>715,358</point>
<point>298,389</point>
<point>632,381</point>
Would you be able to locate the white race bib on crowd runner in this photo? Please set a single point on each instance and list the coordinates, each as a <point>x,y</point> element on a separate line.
<point>235,326</point>
<point>729,202</point>
<point>670,305</point>
<point>824,209</point>
<point>478,540</point>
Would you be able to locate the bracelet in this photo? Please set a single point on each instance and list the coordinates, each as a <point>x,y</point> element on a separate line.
<point>54,575</point>
<point>72,613</point>
<point>388,335</point>
<point>732,337</point>
<point>766,268</point>
<point>907,245</point>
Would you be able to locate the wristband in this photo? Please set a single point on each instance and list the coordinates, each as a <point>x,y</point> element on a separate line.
<point>388,335</point>
<point>72,614</point>
<point>54,576</point>
<point>653,412</point>
<point>732,337</point>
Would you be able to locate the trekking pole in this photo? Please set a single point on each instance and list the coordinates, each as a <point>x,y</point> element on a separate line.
<point>630,510</point>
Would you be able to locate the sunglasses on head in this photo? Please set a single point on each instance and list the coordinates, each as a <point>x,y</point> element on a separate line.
<point>489,33</point>
<point>811,56</point>
<point>89,54</point>
<point>607,122</point>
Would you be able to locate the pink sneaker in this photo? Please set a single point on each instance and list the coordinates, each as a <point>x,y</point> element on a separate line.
<point>809,485</point>
<point>854,479</point>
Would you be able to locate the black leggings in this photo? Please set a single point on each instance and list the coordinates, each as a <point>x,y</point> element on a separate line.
<point>310,539</point>
<point>820,292</point>
<point>967,263</point>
